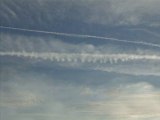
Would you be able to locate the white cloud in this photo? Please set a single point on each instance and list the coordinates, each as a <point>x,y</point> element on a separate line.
<point>19,99</point>
<point>34,95</point>
<point>131,101</point>
<point>144,69</point>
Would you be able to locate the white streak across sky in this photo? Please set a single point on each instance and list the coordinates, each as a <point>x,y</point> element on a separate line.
<point>78,57</point>
<point>145,30</point>
<point>79,60</point>
<point>82,36</point>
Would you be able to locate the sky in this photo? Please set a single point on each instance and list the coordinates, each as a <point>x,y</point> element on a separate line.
<point>79,59</point>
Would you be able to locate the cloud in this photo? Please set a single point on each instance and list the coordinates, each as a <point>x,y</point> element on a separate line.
<point>19,99</point>
<point>48,94</point>
<point>79,76</point>
<point>131,101</point>
<point>125,12</point>
<point>103,57</point>
<point>33,95</point>
<point>136,70</point>
<point>105,12</point>
<point>136,12</point>
<point>14,94</point>
<point>119,63</point>
<point>32,43</point>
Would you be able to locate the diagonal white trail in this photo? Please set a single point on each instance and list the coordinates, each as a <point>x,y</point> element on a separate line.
<point>147,31</point>
<point>78,57</point>
<point>83,36</point>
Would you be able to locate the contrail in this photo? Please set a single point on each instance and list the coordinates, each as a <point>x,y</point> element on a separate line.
<point>82,58</point>
<point>82,36</point>
<point>146,30</point>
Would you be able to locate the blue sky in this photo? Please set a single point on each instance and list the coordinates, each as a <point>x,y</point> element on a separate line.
<point>80,59</point>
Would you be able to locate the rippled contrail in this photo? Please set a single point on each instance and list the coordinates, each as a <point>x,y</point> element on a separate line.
<point>78,57</point>
<point>82,36</point>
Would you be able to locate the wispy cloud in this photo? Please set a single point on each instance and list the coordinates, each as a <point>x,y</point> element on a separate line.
<point>79,60</point>
<point>81,55</point>
<point>106,12</point>
<point>129,101</point>
<point>33,95</point>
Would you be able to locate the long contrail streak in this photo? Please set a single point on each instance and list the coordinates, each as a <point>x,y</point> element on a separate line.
<point>82,36</point>
<point>82,58</point>
<point>147,31</point>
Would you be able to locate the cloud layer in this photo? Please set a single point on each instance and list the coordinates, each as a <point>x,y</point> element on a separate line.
<point>32,95</point>
<point>106,12</point>
<point>79,60</point>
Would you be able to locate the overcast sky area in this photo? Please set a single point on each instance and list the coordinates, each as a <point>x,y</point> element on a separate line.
<point>79,59</point>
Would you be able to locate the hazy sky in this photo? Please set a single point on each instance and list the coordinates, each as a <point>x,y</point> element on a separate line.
<point>79,59</point>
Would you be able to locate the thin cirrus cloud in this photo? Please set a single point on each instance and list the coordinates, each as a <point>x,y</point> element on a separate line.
<point>79,59</point>
<point>106,12</point>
